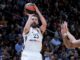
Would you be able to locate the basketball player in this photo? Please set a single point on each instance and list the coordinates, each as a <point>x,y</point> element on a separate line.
<point>68,39</point>
<point>33,36</point>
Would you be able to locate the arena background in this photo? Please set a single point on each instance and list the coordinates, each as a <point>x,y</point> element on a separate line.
<point>12,21</point>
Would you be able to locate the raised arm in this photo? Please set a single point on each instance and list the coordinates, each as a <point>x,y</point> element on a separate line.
<point>65,38</point>
<point>42,19</point>
<point>28,24</point>
<point>68,39</point>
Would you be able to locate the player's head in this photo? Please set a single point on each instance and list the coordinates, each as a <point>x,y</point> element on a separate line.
<point>35,21</point>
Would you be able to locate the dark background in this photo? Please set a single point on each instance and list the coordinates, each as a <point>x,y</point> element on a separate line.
<point>12,21</point>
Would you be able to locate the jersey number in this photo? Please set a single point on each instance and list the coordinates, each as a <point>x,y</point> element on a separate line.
<point>36,36</point>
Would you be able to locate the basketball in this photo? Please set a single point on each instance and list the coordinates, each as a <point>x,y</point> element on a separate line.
<point>30,6</point>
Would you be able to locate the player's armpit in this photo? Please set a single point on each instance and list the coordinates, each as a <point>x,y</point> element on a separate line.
<point>43,28</point>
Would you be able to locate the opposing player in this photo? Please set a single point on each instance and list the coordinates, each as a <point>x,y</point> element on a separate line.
<point>33,36</point>
<point>68,39</point>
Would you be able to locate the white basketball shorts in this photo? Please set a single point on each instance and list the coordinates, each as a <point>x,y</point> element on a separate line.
<point>31,56</point>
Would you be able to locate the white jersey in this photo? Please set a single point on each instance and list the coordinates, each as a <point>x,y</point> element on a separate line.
<point>33,40</point>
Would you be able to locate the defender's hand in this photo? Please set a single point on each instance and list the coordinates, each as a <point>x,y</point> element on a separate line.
<point>64,28</point>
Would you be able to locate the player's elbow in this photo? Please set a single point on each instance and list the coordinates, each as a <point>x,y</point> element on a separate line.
<point>68,46</point>
<point>72,44</point>
<point>45,25</point>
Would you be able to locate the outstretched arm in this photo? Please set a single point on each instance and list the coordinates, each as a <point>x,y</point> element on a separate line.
<point>65,38</point>
<point>68,39</point>
<point>75,43</point>
<point>43,20</point>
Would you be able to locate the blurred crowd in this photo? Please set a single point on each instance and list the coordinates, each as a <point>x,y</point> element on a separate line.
<point>12,21</point>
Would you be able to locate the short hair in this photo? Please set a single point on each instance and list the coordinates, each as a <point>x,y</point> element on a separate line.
<point>35,15</point>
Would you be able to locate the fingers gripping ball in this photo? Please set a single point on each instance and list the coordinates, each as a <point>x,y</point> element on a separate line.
<point>30,6</point>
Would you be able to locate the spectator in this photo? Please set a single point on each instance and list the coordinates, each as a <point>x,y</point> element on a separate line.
<point>0,53</point>
<point>18,47</point>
